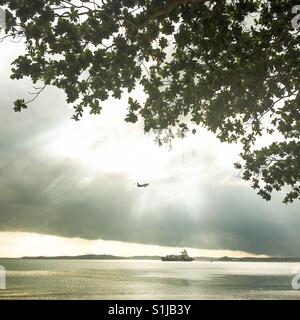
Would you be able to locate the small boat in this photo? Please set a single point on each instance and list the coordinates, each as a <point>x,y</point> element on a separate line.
<point>182,257</point>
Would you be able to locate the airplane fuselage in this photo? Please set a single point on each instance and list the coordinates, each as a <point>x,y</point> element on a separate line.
<point>142,185</point>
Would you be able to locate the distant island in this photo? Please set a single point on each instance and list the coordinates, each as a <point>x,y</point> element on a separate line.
<point>112,257</point>
<point>95,257</point>
<point>259,259</point>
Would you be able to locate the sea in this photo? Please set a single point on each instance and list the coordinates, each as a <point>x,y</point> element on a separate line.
<point>149,279</point>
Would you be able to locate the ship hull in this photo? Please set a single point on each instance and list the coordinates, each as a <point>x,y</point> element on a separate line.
<point>180,260</point>
<point>183,257</point>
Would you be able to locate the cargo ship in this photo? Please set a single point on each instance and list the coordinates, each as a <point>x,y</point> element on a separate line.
<point>182,257</point>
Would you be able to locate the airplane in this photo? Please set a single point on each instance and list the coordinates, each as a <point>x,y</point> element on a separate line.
<point>142,185</point>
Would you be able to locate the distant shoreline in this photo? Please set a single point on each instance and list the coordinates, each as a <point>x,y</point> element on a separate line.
<point>112,257</point>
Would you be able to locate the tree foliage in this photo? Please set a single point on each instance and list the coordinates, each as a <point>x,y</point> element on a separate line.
<point>232,67</point>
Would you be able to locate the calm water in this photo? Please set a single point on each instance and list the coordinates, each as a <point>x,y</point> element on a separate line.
<point>86,279</point>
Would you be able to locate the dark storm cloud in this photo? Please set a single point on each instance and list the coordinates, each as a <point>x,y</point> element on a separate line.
<point>48,197</point>
<point>189,207</point>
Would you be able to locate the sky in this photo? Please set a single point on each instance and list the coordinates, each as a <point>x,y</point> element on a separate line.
<point>69,187</point>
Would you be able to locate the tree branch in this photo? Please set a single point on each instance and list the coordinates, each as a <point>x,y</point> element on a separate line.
<point>166,10</point>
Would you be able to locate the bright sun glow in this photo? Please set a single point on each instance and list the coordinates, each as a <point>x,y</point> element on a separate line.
<point>110,145</point>
<point>139,160</point>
